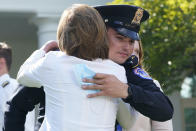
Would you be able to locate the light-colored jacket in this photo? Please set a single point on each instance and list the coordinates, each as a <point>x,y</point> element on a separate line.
<point>143,123</point>
<point>8,86</point>
<point>67,106</point>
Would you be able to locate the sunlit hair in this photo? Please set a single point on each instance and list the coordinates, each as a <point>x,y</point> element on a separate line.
<point>6,53</point>
<point>82,33</point>
<point>141,53</point>
<point>141,58</point>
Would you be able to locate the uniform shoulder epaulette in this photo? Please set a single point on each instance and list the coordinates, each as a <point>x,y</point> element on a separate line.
<point>4,84</point>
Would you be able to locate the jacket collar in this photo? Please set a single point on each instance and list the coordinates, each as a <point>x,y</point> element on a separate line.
<point>4,80</point>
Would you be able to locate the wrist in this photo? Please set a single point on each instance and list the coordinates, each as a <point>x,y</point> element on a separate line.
<point>46,49</point>
<point>129,92</point>
<point>126,86</point>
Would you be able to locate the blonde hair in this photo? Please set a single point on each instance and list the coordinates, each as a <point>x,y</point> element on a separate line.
<point>82,33</point>
<point>141,53</point>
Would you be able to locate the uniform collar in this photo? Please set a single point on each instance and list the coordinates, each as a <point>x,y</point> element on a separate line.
<point>4,80</point>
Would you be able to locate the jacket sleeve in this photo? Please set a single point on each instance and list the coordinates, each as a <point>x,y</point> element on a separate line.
<point>151,103</point>
<point>162,126</point>
<point>126,115</point>
<point>147,98</point>
<point>21,103</point>
<point>30,73</point>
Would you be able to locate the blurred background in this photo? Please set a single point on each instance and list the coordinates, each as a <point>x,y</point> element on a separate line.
<point>168,37</point>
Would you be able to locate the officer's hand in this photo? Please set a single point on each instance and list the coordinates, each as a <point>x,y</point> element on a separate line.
<point>50,45</point>
<point>108,85</point>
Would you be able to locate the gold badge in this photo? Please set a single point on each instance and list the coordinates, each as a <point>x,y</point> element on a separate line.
<point>138,16</point>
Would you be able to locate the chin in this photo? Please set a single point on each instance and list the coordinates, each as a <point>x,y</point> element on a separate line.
<point>120,61</point>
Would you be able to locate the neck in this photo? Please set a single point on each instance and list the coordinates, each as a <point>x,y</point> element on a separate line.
<point>2,72</point>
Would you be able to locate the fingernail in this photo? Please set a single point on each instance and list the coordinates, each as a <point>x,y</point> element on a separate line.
<point>83,79</point>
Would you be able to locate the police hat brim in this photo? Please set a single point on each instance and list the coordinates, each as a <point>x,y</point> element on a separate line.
<point>127,33</point>
<point>125,19</point>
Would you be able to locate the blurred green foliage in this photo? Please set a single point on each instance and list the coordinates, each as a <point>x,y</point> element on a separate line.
<point>169,40</point>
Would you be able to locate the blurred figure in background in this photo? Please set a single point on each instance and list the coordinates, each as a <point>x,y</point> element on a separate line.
<point>135,63</point>
<point>8,86</point>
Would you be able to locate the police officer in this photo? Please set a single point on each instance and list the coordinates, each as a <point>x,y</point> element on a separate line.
<point>126,22</point>
<point>7,84</point>
<point>123,24</point>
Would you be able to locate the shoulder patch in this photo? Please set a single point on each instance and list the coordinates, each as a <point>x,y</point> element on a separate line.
<point>141,73</point>
<point>4,84</point>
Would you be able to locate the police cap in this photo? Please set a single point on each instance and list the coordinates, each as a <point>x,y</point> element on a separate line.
<point>125,19</point>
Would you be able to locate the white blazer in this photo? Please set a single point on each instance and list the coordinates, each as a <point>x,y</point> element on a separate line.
<point>67,106</point>
<point>8,87</point>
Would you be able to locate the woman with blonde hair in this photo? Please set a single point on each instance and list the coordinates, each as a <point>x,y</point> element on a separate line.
<point>83,45</point>
<point>142,122</point>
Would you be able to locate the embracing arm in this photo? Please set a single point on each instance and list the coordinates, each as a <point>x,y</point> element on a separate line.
<point>21,103</point>
<point>149,101</point>
<point>31,72</point>
<point>28,74</point>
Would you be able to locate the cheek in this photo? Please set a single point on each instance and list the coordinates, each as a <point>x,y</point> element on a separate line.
<point>131,53</point>
<point>131,48</point>
<point>111,47</point>
<point>114,45</point>
<point>134,53</point>
<point>111,52</point>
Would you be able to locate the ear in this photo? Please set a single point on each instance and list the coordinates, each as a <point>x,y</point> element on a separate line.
<point>2,61</point>
<point>3,66</point>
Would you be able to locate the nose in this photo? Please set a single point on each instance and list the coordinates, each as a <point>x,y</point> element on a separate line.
<point>128,46</point>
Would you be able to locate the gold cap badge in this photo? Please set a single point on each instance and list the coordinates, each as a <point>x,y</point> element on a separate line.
<point>138,16</point>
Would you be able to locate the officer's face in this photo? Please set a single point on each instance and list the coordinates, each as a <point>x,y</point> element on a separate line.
<point>136,49</point>
<point>120,47</point>
<point>3,66</point>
